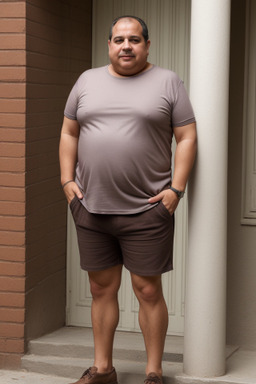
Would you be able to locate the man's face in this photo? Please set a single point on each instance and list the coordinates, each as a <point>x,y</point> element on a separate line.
<point>128,50</point>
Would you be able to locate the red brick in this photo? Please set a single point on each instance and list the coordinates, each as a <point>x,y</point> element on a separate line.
<point>13,57</point>
<point>12,284</point>
<point>13,194</point>
<point>13,74</point>
<point>11,299</point>
<point>12,165</point>
<point>12,208</point>
<point>10,361</point>
<point>15,345</point>
<point>12,90</point>
<point>12,253</point>
<point>15,120</point>
<point>13,9</point>
<point>12,269</point>
<point>12,180</point>
<point>14,41</point>
<point>12,150</point>
<point>11,345</point>
<point>12,25</point>
<point>8,223</point>
<point>12,315</point>
<point>16,106</point>
<point>12,238</point>
<point>11,330</point>
<point>12,134</point>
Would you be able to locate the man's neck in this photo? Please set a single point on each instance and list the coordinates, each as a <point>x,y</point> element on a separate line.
<point>113,72</point>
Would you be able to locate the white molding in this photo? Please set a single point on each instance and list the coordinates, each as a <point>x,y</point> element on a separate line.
<point>249,124</point>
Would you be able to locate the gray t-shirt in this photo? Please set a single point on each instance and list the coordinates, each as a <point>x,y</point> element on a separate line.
<point>124,148</point>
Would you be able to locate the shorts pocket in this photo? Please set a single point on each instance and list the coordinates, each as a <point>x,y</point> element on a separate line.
<point>72,202</point>
<point>163,209</point>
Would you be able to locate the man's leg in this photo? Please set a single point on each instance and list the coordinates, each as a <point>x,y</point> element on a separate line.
<point>105,314</point>
<point>153,318</point>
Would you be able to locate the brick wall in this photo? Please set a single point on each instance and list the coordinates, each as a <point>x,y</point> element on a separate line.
<point>58,43</point>
<point>12,180</point>
<point>44,46</point>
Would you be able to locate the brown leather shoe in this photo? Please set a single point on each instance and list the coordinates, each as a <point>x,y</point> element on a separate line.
<point>91,376</point>
<point>153,378</point>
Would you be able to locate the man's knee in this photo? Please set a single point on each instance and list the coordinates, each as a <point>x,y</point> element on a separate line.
<point>104,284</point>
<point>148,289</point>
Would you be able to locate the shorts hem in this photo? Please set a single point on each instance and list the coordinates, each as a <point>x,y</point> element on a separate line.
<point>150,273</point>
<point>98,269</point>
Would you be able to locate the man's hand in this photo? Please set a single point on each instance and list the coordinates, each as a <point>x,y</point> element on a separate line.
<point>184,158</point>
<point>71,190</point>
<point>168,198</point>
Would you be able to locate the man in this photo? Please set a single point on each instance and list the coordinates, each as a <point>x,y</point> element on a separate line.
<point>115,158</point>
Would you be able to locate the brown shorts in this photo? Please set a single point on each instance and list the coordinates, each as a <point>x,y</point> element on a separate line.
<point>142,242</point>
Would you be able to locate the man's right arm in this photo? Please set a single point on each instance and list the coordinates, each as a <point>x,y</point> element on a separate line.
<point>68,157</point>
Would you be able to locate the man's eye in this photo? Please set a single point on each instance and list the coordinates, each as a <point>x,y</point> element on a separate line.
<point>118,41</point>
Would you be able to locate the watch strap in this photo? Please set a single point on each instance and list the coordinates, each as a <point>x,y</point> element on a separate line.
<point>180,194</point>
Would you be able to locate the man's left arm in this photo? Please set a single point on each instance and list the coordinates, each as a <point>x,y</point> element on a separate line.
<point>185,153</point>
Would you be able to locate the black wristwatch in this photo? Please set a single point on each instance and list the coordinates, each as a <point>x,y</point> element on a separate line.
<point>180,194</point>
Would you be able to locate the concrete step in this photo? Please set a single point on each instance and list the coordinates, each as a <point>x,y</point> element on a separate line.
<point>77,342</point>
<point>74,367</point>
<point>69,351</point>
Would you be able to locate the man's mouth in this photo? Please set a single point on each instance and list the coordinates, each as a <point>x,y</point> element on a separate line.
<point>127,55</point>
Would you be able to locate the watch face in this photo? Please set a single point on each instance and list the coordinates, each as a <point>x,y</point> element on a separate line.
<point>180,194</point>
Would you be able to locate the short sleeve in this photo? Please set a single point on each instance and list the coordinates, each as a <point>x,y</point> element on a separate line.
<point>182,113</point>
<point>70,110</point>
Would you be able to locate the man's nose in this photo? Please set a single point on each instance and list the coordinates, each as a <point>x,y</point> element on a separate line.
<point>126,44</point>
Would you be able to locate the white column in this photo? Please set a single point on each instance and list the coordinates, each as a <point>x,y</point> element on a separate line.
<point>205,318</point>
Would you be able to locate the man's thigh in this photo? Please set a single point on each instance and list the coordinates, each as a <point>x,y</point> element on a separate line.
<point>99,250</point>
<point>147,242</point>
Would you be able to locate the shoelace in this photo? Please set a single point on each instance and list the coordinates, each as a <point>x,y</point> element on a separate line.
<point>152,379</point>
<point>87,373</point>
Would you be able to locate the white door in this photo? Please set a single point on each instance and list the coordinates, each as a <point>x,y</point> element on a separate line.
<point>169,26</point>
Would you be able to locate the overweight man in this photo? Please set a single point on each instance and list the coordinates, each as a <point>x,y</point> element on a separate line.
<point>116,173</point>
